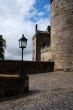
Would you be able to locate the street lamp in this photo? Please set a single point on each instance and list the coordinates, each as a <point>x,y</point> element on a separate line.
<point>22,45</point>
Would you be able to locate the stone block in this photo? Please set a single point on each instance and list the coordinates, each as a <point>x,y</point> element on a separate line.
<point>13,85</point>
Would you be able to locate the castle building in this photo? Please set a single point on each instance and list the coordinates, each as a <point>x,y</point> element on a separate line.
<point>56,45</point>
<point>41,45</point>
<point>62,34</point>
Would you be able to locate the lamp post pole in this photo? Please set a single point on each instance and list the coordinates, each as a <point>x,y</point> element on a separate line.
<point>22,54</point>
<point>22,63</point>
<point>22,45</point>
<point>23,75</point>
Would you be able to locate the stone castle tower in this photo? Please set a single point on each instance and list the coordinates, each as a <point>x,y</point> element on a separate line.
<point>41,45</point>
<point>62,34</point>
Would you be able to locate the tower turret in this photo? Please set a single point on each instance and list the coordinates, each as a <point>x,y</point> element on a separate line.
<point>62,33</point>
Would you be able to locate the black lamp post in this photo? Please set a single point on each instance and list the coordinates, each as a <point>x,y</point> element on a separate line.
<point>22,45</point>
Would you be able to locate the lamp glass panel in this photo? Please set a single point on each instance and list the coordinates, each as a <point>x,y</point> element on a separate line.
<point>23,44</point>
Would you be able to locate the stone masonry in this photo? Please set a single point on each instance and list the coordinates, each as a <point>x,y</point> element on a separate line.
<point>41,45</point>
<point>60,48</point>
<point>62,34</point>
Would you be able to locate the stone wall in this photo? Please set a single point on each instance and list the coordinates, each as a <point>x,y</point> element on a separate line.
<point>62,34</point>
<point>41,41</point>
<point>13,85</point>
<point>46,54</point>
<point>29,67</point>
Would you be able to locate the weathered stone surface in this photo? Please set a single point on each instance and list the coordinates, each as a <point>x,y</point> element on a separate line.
<point>41,45</point>
<point>62,33</point>
<point>29,67</point>
<point>46,54</point>
<point>12,85</point>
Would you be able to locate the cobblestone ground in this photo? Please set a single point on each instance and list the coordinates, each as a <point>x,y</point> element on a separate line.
<point>49,91</point>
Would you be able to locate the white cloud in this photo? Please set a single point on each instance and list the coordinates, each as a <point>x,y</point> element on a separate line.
<point>14,21</point>
<point>47,7</point>
<point>40,14</point>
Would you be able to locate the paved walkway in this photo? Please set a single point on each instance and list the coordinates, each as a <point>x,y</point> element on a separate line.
<point>49,91</point>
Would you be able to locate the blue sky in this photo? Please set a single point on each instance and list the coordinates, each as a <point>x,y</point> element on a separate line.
<point>19,17</point>
<point>42,7</point>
